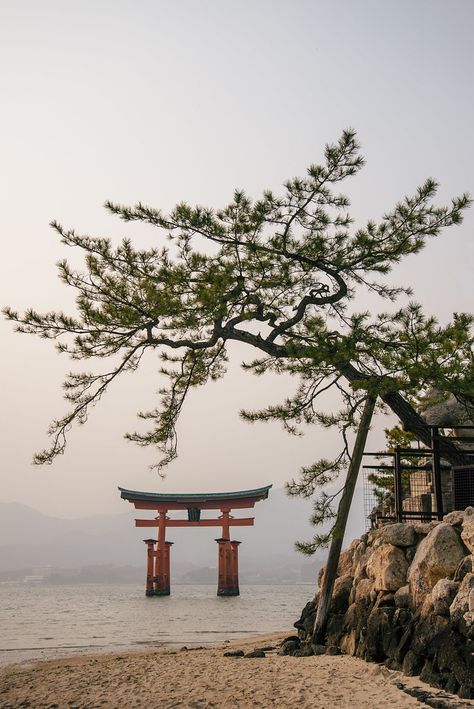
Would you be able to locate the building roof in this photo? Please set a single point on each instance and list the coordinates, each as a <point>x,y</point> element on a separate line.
<point>259,493</point>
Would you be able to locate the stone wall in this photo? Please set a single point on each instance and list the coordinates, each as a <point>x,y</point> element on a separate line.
<point>404,596</point>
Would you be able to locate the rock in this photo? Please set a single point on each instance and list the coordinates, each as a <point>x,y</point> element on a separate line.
<point>306,622</point>
<point>335,628</point>
<point>465,692</point>
<point>289,645</point>
<point>425,624</point>
<point>429,634</point>
<point>320,576</point>
<point>442,595</point>
<point>460,605</point>
<point>402,597</point>
<point>388,567</point>
<point>467,533</point>
<point>318,649</point>
<point>400,534</point>
<point>362,591</point>
<point>348,643</point>
<point>452,656</point>
<point>355,618</point>
<point>304,651</point>
<point>385,599</point>
<point>437,557</point>
<point>340,594</point>
<point>290,637</point>
<point>402,618</point>
<point>430,676</point>
<point>464,567</point>
<point>234,653</point>
<point>344,567</point>
<point>373,534</point>
<point>360,558</point>
<point>424,528</point>
<point>455,518</point>
<point>380,632</point>
<point>462,666</point>
<point>333,650</point>
<point>412,664</point>
<point>255,653</point>
<point>452,685</point>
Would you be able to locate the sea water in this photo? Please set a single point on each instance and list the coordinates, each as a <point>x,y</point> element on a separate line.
<point>40,621</point>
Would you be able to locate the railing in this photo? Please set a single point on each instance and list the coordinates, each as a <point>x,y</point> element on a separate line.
<point>416,483</point>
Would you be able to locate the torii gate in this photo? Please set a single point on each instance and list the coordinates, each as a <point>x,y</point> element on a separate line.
<point>158,560</point>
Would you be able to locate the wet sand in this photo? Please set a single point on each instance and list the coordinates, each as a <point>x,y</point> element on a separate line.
<point>202,678</point>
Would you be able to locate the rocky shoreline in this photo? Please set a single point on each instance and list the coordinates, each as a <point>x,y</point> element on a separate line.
<point>404,596</point>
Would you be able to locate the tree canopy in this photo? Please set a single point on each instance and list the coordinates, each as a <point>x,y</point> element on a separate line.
<point>279,274</point>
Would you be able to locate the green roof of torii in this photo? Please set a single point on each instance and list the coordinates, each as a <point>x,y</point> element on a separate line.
<point>260,493</point>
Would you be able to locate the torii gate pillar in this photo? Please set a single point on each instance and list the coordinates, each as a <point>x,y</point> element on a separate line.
<point>158,560</point>
<point>228,568</point>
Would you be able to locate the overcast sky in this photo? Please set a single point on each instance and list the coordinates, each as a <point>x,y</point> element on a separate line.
<point>168,101</point>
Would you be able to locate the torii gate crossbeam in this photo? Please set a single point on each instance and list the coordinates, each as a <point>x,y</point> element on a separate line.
<point>158,557</point>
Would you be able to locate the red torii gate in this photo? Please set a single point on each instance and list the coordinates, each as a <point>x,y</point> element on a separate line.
<point>158,559</point>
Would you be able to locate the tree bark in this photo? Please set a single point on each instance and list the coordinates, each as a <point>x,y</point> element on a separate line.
<point>410,418</point>
<point>341,521</point>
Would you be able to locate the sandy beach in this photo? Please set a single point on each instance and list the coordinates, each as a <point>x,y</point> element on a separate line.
<point>201,678</point>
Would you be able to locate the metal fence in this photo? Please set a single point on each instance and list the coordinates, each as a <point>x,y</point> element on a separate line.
<point>416,483</point>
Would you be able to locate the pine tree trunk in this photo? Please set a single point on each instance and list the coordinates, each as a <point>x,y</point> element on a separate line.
<point>341,522</point>
<point>411,419</point>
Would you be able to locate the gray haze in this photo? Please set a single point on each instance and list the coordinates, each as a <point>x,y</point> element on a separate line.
<point>105,544</point>
<point>163,102</point>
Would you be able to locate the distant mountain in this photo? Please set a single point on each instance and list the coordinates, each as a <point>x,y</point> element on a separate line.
<point>30,539</point>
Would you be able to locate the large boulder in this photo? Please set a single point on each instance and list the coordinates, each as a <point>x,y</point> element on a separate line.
<point>437,557</point>
<point>362,590</point>
<point>402,597</point>
<point>442,595</point>
<point>387,567</point>
<point>460,605</point>
<point>381,632</point>
<point>344,567</point>
<point>400,534</point>
<point>454,518</point>
<point>359,560</point>
<point>341,593</point>
<point>467,533</point>
<point>306,622</point>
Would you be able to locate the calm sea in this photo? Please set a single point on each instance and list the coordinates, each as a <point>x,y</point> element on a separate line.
<point>52,621</point>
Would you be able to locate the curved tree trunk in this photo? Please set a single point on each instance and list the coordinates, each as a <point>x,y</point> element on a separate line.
<point>341,521</point>
<point>411,419</point>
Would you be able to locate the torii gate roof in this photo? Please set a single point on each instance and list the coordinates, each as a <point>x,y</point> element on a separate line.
<point>195,498</point>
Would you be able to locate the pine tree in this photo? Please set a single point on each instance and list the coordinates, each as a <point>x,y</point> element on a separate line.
<point>279,274</point>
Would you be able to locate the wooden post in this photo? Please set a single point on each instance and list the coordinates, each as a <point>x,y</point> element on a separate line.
<point>161,586</point>
<point>235,567</point>
<point>150,558</point>
<point>436,468</point>
<point>166,569</point>
<point>225,585</point>
<point>221,567</point>
<point>225,523</point>
<point>341,521</point>
<point>398,485</point>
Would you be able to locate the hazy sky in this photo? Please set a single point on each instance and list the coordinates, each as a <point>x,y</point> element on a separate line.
<point>168,101</point>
